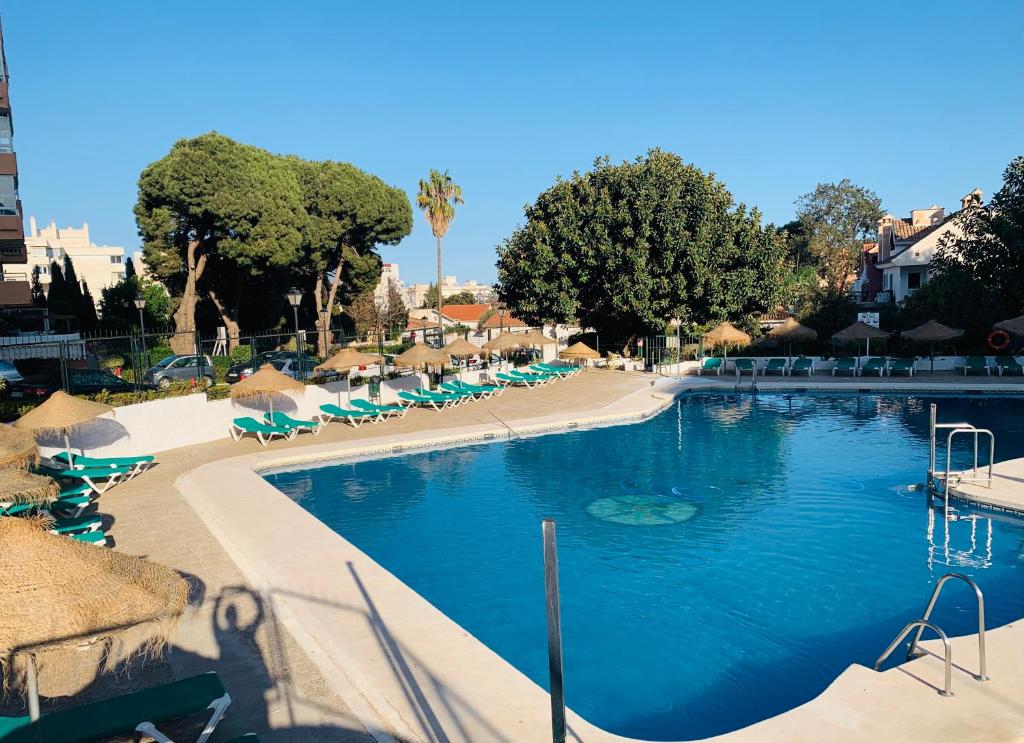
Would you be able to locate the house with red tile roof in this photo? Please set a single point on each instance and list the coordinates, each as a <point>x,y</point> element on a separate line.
<point>465,314</point>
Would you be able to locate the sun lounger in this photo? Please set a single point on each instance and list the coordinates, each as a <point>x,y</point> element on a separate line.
<point>74,524</point>
<point>845,364</point>
<point>99,479</point>
<point>455,398</point>
<point>137,465</point>
<point>412,399</point>
<point>801,365</point>
<point>139,712</point>
<point>711,365</point>
<point>487,390</point>
<point>508,379</point>
<point>902,365</point>
<point>286,421</point>
<point>775,365</point>
<point>977,364</point>
<point>565,370</point>
<point>95,538</point>
<point>385,411</point>
<point>1008,364</point>
<point>330,412</point>
<point>745,366</point>
<point>874,364</point>
<point>454,388</point>
<point>263,431</point>
<point>542,377</point>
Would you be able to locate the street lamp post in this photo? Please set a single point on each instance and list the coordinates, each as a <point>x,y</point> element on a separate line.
<point>140,305</point>
<point>295,299</point>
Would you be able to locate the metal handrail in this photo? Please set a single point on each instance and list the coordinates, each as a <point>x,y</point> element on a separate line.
<point>948,690</point>
<point>981,676</point>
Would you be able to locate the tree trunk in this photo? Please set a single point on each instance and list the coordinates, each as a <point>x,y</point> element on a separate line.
<point>183,341</point>
<point>230,324</point>
<point>322,341</point>
<point>440,301</point>
<point>332,293</point>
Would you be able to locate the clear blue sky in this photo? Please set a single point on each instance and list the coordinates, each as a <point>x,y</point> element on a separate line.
<point>920,101</point>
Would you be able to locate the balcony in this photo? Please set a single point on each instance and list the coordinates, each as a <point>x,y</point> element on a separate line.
<point>5,103</point>
<point>15,290</point>
<point>8,162</point>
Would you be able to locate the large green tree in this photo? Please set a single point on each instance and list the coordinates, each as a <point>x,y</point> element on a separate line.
<point>437,198</point>
<point>211,200</point>
<point>349,213</point>
<point>837,218</point>
<point>117,305</point>
<point>623,248</point>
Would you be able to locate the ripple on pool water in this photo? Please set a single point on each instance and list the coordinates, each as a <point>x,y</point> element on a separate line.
<point>638,510</point>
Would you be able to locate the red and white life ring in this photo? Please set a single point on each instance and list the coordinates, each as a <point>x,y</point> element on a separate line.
<point>998,340</point>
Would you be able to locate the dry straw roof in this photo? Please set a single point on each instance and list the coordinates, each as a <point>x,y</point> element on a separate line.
<point>579,350</point>
<point>58,595</point>
<point>349,358</point>
<point>420,356</point>
<point>932,331</point>
<point>860,332</point>
<point>536,338</point>
<point>505,341</point>
<point>726,334</point>
<point>19,486</point>
<point>266,381</point>
<point>60,413</point>
<point>17,447</point>
<point>461,348</point>
<point>793,330</point>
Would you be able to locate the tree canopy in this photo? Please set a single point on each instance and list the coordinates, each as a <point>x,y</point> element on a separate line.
<point>623,248</point>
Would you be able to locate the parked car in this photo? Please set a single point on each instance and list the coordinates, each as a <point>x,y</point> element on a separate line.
<point>241,370</point>
<point>80,382</point>
<point>173,369</point>
<point>301,368</point>
<point>9,374</point>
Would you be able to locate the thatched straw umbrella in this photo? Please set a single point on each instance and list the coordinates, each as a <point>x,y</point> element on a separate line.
<point>461,349</point>
<point>790,331</point>
<point>860,331</point>
<point>537,338</point>
<point>504,342</point>
<point>347,359</point>
<point>17,448</point>
<point>267,383</point>
<point>932,332</point>
<point>61,412</point>
<point>579,351</point>
<point>19,487</point>
<point>422,357</point>
<point>725,335</point>
<point>71,610</point>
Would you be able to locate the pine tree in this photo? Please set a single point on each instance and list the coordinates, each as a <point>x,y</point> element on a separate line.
<point>129,268</point>
<point>74,289</point>
<point>87,319</point>
<point>57,295</point>
<point>38,295</point>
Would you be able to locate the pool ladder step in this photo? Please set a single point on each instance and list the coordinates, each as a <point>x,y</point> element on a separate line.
<point>921,624</point>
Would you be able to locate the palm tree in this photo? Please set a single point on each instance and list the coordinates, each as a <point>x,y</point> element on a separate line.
<point>437,198</point>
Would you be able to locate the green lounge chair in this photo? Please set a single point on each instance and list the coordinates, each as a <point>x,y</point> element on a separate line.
<point>710,364</point>
<point>456,389</point>
<point>137,465</point>
<point>902,365</point>
<point>384,411</point>
<point>75,524</point>
<point>800,365</point>
<point>99,479</point>
<point>487,390</point>
<point>263,431</point>
<point>1008,364</point>
<point>558,369</point>
<point>875,364</point>
<point>355,418</point>
<point>139,712</point>
<point>508,379</point>
<point>845,364</point>
<point>745,366</point>
<point>542,377</point>
<point>456,398</point>
<point>775,365</point>
<point>977,364</point>
<point>95,538</point>
<point>286,421</point>
<point>410,398</point>
<point>562,372</point>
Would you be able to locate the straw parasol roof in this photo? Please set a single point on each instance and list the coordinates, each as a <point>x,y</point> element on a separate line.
<point>579,350</point>
<point>349,358</point>
<point>61,412</point>
<point>1015,325</point>
<point>932,332</point>
<point>266,382</point>
<point>860,331</point>
<point>59,595</point>
<point>420,356</point>
<point>461,348</point>
<point>17,447</point>
<point>793,330</point>
<point>726,334</point>
<point>536,338</point>
<point>19,487</point>
<point>505,341</point>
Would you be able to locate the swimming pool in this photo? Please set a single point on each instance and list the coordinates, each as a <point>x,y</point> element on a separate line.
<point>720,563</point>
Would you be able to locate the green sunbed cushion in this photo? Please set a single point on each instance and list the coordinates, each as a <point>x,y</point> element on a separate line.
<point>711,363</point>
<point>776,363</point>
<point>120,715</point>
<point>334,410</point>
<point>282,419</point>
<point>89,536</point>
<point>745,364</point>
<point>251,425</point>
<point>801,363</point>
<point>77,523</point>
<point>84,461</point>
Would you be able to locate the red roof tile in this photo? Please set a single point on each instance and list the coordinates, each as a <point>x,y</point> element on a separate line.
<point>469,313</point>
<point>496,321</point>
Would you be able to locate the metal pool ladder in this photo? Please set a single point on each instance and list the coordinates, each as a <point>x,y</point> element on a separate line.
<point>946,475</point>
<point>923,622</point>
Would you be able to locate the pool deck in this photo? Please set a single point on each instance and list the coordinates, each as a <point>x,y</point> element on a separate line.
<point>317,642</point>
<point>1006,490</point>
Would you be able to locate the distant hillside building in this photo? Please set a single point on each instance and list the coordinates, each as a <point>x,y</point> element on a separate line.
<point>416,294</point>
<point>99,266</point>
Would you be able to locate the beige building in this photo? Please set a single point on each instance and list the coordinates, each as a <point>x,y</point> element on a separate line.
<point>415,294</point>
<point>99,266</point>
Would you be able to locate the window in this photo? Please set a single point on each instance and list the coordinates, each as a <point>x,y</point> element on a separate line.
<point>115,259</point>
<point>914,280</point>
<point>6,134</point>
<point>8,195</point>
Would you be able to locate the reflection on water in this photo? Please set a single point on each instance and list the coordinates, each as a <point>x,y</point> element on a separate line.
<point>720,563</point>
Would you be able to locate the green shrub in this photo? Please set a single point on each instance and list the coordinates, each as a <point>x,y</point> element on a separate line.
<point>241,352</point>
<point>220,367</point>
<point>112,362</point>
<point>159,352</point>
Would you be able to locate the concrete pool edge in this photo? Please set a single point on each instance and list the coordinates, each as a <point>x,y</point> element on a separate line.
<point>406,669</point>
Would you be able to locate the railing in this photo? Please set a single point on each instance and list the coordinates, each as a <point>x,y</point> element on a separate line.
<point>947,691</point>
<point>948,474</point>
<point>982,675</point>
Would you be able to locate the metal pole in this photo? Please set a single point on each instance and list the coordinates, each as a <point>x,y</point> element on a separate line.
<point>931,446</point>
<point>142,334</point>
<point>33,688</point>
<point>554,632</point>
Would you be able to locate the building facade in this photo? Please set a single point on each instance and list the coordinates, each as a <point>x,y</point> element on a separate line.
<point>14,287</point>
<point>416,294</point>
<point>99,266</point>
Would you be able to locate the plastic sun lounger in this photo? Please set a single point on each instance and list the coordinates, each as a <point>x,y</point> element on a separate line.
<point>512,380</point>
<point>801,365</point>
<point>456,389</point>
<point>95,538</point>
<point>73,524</point>
<point>775,365</point>
<point>80,461</point>
<point>385,411</point>
<point>564,370</point>
<point>875,364</point>
<point>745,366</point>
<point>977,364</point>
<point>456,398</point>
<point>542,377</point>
<point>139,712</point>
<point>1008,364</point>
<point>902,365</point>
<point>484,390</point>
<point>286,421</point>
<point>710,364</point>
<point>355,418</point>
<point>263,432</point>
<point>89,476</point>
<point>421,401</point>
<point>845,364</point>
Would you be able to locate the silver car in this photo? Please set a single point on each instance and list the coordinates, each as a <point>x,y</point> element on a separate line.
<point>179,369</point>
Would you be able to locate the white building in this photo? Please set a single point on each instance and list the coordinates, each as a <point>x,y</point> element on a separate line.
<point>415,294</point>
<point>389,273</point>
<point>99,266</point>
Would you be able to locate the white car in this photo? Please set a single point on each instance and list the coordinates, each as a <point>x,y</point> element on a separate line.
<point>9,373</point>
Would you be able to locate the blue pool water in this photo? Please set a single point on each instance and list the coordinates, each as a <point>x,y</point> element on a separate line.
<point>719,564</point>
